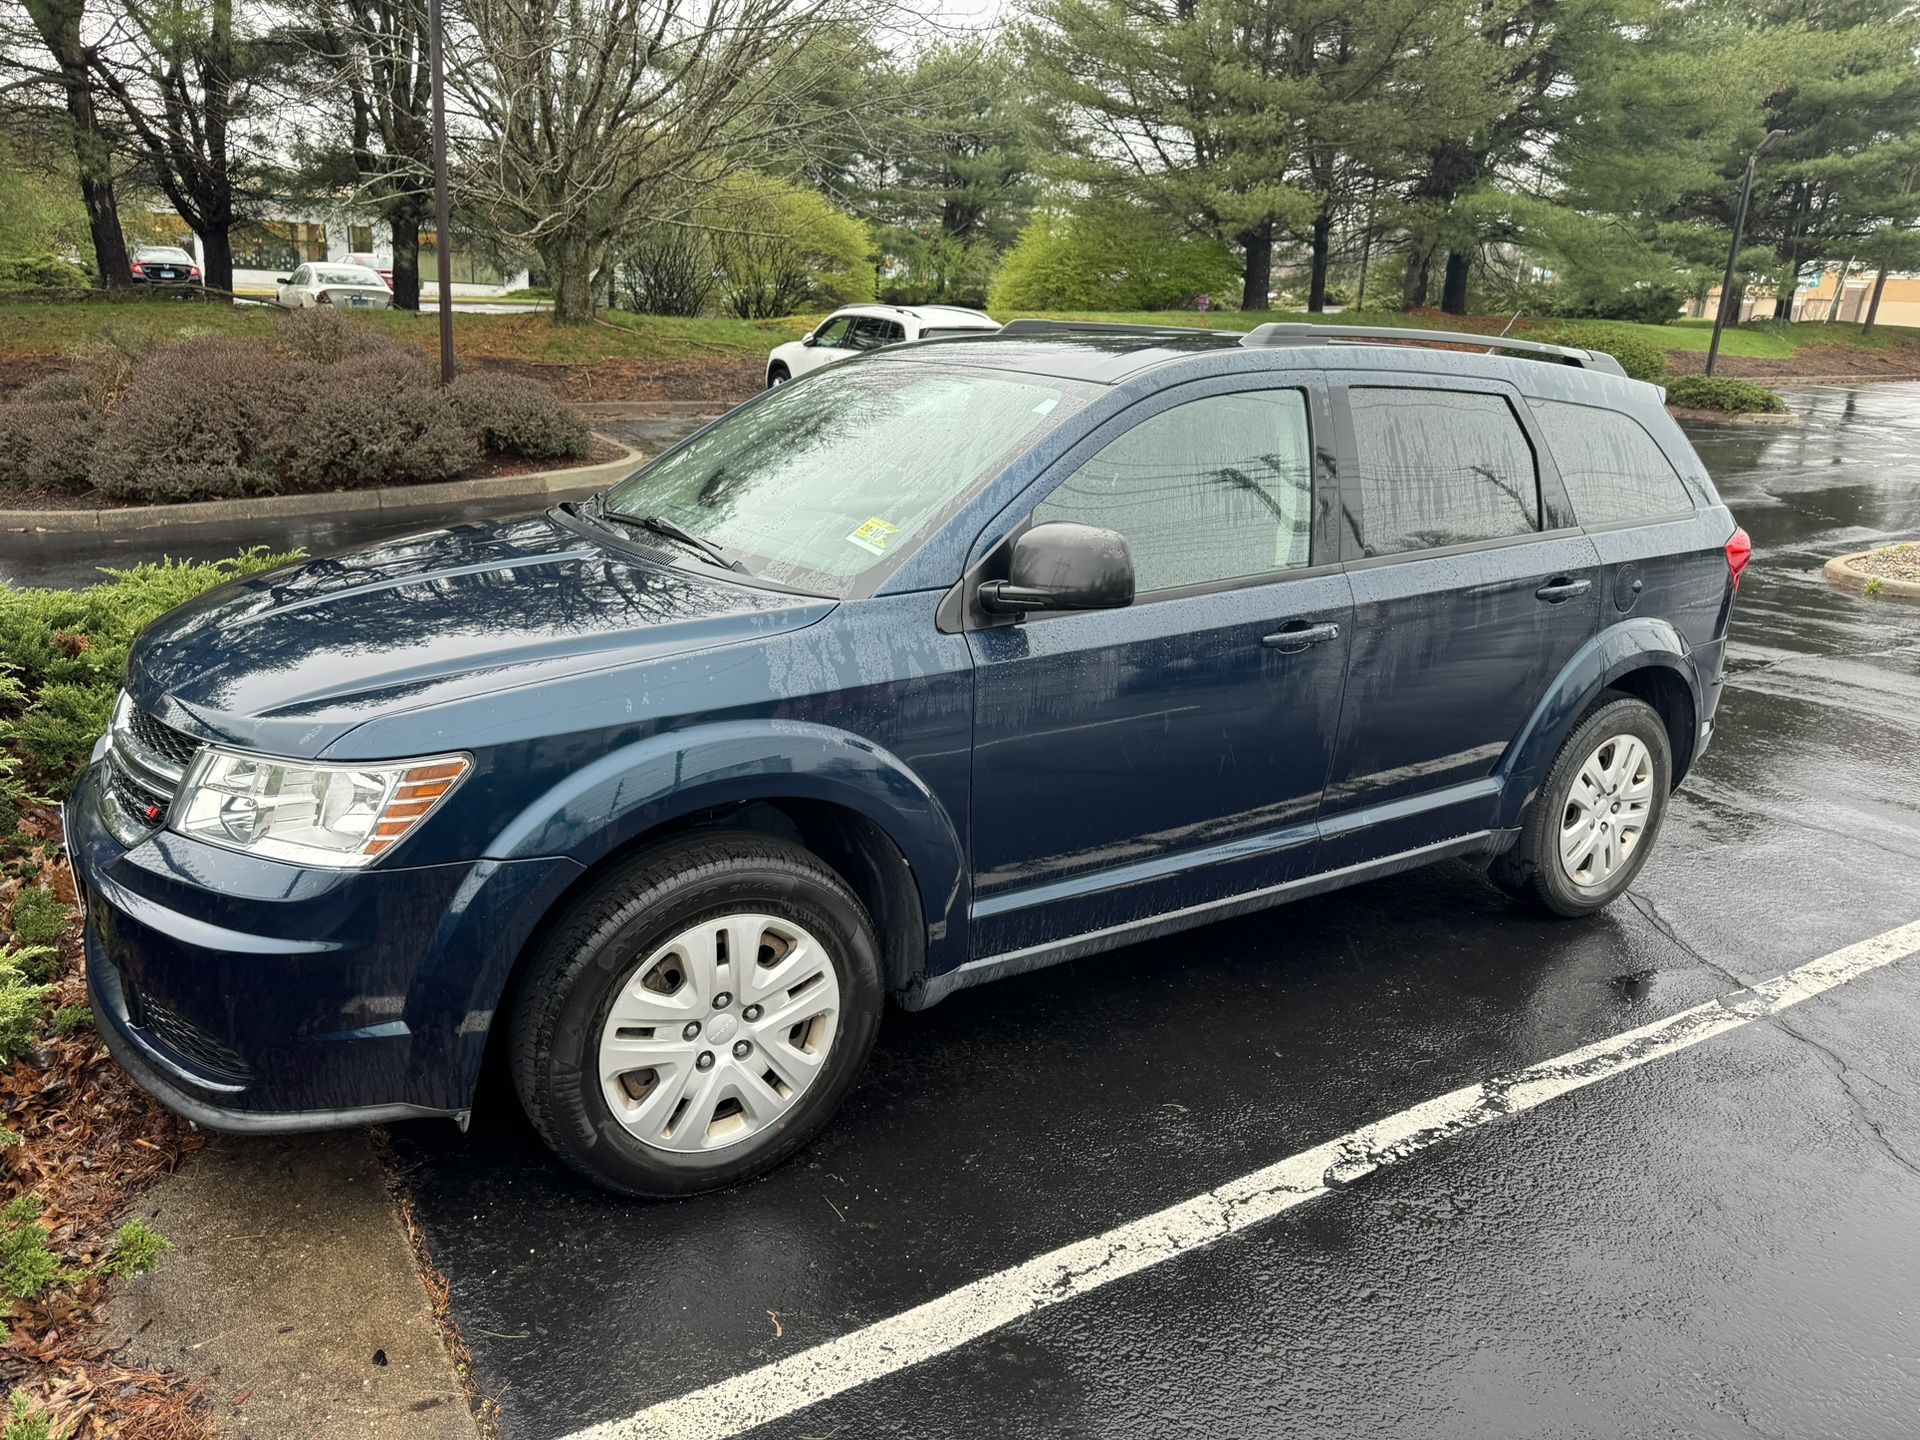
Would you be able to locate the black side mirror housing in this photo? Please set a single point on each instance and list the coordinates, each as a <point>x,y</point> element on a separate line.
<point>286,279</point>
<point>1063,567</point>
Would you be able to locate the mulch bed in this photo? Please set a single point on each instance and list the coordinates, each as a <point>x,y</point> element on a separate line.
<point>725,380</point>
<point>1812,360</point>
<point>91,1142</point>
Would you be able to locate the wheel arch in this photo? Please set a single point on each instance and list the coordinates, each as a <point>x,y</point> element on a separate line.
<point>1643,657</point>
<point>856,806</point>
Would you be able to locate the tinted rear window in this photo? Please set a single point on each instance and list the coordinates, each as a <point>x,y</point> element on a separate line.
<point>1613,469</point>
<point>1440,467</point>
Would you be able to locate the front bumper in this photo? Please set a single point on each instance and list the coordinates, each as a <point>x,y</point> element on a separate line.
<point>251,995</point>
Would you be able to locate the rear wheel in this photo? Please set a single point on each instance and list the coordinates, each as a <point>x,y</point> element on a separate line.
<point>777,374</point>
<point>1595,820</point>
<point>699,1016</point>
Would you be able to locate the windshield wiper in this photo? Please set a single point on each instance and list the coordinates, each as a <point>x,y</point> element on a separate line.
<point>673,530</point>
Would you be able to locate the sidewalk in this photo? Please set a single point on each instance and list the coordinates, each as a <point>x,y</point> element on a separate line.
<point>292,1291</point>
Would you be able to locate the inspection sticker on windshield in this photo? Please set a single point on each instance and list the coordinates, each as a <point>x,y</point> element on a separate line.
<point>873,534</point>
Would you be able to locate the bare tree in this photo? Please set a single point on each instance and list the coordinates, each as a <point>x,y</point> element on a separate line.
<point>587,119</point>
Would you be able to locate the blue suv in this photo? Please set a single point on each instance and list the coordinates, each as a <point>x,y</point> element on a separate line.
<point>956,660</point>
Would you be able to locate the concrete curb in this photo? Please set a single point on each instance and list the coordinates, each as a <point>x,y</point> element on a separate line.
<point>1842,570</point>
<point>329,502</point>
<point>1720,417</point>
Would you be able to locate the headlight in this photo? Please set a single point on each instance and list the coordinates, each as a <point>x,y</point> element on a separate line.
<point>306,811</point>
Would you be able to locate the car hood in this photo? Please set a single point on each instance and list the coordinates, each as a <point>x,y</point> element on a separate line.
<point>289,661</point>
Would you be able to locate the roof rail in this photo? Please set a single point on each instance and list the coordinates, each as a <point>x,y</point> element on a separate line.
<point>1276,333</point>
<point>1100,327</point>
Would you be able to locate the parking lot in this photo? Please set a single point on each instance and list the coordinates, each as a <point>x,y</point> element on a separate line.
<point>1716,1242</point>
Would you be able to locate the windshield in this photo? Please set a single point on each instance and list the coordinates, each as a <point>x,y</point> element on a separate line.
<point>820,481</point>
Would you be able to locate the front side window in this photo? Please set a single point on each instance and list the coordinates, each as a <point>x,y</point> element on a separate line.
<point>833,334</point>
<point>1216,489</point>
<point>821,481</point>
<point>1613,469</point>
<point>1440,467</point>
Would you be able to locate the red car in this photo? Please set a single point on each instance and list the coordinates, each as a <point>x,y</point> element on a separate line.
<point>385,272</point>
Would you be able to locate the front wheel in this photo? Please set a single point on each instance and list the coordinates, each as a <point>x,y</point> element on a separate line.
<point>1595,820</point>
<point>699,1016</point>
<point>777,374</point>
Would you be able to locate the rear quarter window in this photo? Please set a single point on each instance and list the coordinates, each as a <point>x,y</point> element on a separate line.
<point>1613,469</point>
<point>1439,468</point>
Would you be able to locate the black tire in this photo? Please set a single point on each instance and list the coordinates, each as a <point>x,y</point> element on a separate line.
<point>1532,870</point>
<point>777,374</point>
<point>562,1003</point>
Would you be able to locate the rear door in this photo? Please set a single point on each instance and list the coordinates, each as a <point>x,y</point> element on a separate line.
<point>1170,755</point>
<point>1472,589</point>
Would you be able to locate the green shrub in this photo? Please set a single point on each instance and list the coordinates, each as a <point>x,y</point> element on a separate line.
<point>200,420</point>
<point>23,1001</point>
<point>47,435</point>
<point>38,918</point>
<point>137,1248</point>
<point>1110,259</point>
<point>514,415</point>
<point>26,1421</point>
<point>1639,357</point>
<point>1725,394</point>
<point>377,417</point>
<point>65,651</point>
<point>41,272</point>
<point>27,1266</point>
<point>71,1020</point>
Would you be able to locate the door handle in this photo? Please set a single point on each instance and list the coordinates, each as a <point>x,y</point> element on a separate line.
<point>1562,589</point>
<point>1297,636</point>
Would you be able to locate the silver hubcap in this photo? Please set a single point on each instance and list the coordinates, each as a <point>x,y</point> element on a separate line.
<point>719,1032</point>
<point>1608,810</point>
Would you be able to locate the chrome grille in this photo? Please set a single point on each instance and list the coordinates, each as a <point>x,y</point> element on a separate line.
<point>146,761</point>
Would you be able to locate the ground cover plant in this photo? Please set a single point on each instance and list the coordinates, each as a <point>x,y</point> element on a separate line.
<point>1725,394</point>
<point>78,1141</point>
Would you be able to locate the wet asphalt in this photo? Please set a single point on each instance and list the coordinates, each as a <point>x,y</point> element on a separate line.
<point>1723,1243</point>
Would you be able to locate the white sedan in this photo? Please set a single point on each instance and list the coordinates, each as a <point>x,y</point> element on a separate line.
<point>353,287</point>
<point>855,329</point>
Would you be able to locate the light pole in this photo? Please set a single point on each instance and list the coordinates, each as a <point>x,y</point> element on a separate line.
<point>442,218</point>
<point>1774,137</point>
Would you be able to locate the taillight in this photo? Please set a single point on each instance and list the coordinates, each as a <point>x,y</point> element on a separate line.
<point>325,297</point>
<point>138,268</point>
<point>1739,552</point>
<point>193,272</point>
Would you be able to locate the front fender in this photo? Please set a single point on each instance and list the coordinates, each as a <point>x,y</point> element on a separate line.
<point>1634,644</point>
<point>640,787</point>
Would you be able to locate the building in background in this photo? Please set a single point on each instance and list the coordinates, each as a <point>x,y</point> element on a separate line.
<point>1816,301</point>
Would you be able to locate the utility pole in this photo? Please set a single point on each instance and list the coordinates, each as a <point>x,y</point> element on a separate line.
<point>1774,137</point>
<point>442,208</point>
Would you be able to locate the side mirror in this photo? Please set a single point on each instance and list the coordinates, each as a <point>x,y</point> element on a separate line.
<point>285,280</point>
<point>809,339</point>
<point>1063,567</point>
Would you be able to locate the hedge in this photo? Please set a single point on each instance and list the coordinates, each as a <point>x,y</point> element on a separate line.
<point>1725,394</point>
<point>329,404</point>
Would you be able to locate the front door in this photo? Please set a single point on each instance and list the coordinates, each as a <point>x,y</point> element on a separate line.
<point>1170,755</point>
<point>1472,590</point>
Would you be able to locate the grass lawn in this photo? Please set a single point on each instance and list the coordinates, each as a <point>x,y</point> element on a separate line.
<point>1764,340</point>
<point>46,328</point>
<point>38,328</point>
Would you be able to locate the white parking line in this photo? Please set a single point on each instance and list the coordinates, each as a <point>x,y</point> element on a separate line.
<point>787,1386</point>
